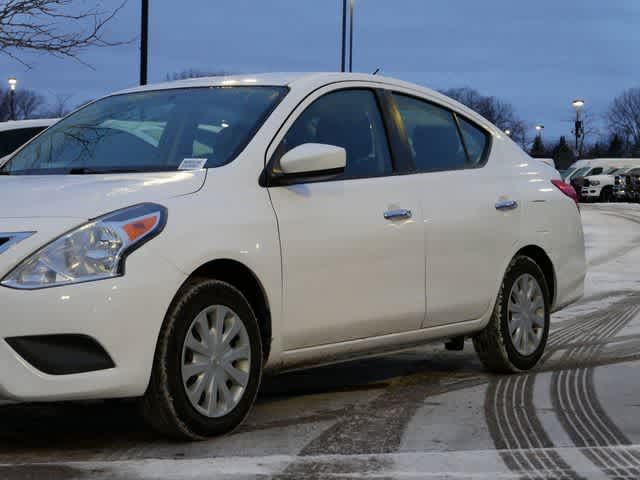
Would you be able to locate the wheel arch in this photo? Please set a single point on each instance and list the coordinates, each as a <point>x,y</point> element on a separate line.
<point>245,280</point>
<point>538,255</point>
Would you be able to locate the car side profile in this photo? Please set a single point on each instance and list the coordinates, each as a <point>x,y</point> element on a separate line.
<point>175,242</point>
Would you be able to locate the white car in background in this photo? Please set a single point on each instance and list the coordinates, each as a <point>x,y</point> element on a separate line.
<point>175,241</point>
<point>15,133</point>
<point>601,187</point>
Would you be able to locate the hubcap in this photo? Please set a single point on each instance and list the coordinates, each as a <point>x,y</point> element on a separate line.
<point>526,314</point>
<point>216,361</point>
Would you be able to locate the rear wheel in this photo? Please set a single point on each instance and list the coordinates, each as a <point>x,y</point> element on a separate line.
<point>208,363</point>
<point>606,195</point>
<point>516,335</point>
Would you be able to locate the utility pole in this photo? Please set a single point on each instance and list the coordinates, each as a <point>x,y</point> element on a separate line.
<point>144,41</point>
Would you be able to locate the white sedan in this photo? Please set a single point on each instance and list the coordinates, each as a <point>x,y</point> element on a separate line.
<point>174,242</point>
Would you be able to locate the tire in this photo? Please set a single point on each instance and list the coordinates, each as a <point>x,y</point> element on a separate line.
<point>494,344</point>
<point>166,406</point>
<point>606,195</point>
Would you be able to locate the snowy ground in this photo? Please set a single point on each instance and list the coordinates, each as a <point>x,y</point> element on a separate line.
<point>422,414</point>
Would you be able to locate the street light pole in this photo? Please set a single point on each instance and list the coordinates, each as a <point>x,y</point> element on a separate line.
<point>13,82</point>
<point>347,6</point>
<point>351,9</point>
<point>344,35</point>
<point>578,129</point>
<point>539,129</point>
<point>144,41</point>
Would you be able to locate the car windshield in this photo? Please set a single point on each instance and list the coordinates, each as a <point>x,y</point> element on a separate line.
<point>150,131</point>
<point>580,172</point>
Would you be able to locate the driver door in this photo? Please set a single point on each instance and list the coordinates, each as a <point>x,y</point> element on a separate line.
<point>349,273</point>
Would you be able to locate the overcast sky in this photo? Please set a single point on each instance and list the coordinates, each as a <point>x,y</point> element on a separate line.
<point>538,55</point>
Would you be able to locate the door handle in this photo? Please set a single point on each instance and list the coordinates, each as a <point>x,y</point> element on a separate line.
<point>397,214</point>
<point>506,205</point>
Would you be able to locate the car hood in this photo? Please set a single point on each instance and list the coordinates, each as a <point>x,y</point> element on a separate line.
<point>89,196</point>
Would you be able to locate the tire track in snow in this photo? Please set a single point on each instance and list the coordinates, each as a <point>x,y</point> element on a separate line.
<point>511,416</point>
<point>582,415</point>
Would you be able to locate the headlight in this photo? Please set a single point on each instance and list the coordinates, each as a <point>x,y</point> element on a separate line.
<point>94,251</point>
<point>594,182</point>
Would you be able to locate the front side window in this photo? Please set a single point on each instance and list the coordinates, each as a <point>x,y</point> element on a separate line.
<point>349,119</point>
<point>11,140</point>
<point>596,171</point>
<point>433,135</point>
<point>150,131</point>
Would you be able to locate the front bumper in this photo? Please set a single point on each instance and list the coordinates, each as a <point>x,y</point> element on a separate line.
<point>123,315</point>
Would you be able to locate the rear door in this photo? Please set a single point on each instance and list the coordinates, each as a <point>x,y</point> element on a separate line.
<point>349,273</point>
<point>471,214</point>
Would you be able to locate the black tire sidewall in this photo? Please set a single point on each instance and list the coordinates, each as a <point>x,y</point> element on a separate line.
<point>523,265</point>
<point>207,294</point>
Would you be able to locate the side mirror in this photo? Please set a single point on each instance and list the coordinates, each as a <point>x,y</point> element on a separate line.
<point>314,158</point>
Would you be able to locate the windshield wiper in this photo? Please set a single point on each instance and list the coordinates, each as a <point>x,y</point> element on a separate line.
<point>89,171</point>
<point>5,172</point>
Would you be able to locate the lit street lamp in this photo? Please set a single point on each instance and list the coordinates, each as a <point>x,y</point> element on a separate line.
<point>578,130</point>
<point>13,82</point>
<point>507,132</point>
<point>539,129</point>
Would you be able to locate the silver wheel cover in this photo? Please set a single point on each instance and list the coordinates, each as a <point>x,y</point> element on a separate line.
<point>216,361</point>
<point>526,314</point>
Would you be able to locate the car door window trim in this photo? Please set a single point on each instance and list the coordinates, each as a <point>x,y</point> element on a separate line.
<point>268,179</point>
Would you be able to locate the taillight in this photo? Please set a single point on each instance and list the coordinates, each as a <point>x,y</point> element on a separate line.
<point>567,189</point>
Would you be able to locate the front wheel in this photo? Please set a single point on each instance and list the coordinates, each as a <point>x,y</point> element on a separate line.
<point>208,363</point>
<point>516,336</point>
<point>606,195</point>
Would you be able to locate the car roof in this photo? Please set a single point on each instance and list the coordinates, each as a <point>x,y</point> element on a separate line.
<point>311,81</point>
<point>18,124</point>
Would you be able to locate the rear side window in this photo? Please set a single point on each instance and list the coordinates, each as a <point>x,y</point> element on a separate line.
<point>433,135</point>
<point>475,140</point>
<point>11,140</point>
<point>349,119</point>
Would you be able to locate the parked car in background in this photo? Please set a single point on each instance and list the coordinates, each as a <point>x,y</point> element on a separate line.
<point>627,186</point>
<point>14,134</point>
<point>570,172</point>
<point>577,179</point>
<point>601,187</point>
<point>578,167</point>
<point>181,239</point>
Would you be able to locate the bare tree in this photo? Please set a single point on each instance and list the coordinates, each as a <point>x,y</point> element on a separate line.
<point>58,27</point>
<point>623,116</point>
<point>500,113</point>
<point>28,104</point>
<point>60,106</point>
